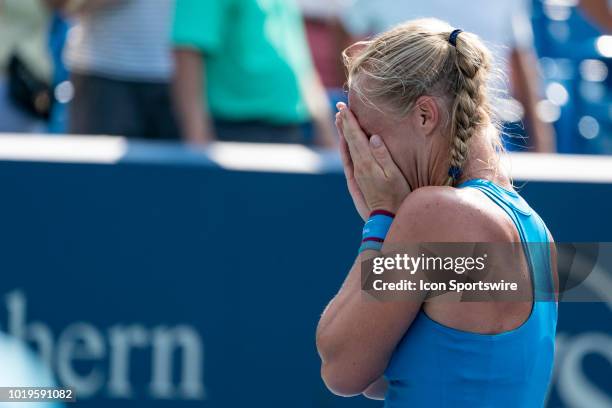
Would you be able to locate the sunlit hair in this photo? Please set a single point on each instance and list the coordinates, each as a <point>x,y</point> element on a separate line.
<point>392,70</point>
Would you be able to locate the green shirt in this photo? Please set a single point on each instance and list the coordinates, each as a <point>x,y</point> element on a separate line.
<point>256,56</point>
<point>24,26</point>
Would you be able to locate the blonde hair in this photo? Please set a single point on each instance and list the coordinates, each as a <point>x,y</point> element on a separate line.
<point>417,58</point>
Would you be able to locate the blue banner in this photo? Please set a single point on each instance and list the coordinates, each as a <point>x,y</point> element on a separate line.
<point>170,280</point>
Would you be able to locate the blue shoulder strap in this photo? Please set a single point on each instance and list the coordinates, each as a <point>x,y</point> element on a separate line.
<point>531,229</point>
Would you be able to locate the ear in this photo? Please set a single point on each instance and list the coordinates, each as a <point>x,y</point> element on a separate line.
<point>426,114</point>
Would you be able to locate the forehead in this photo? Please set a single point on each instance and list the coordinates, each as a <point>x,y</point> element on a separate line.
<point>358,106</point>
<point>354,100</point>
<point>370,118</point>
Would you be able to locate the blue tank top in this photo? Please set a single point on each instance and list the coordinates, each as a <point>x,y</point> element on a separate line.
<point>438,366</point>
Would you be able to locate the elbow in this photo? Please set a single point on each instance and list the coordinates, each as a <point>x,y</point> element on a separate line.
<point>342,374</point>
<point>342,381</point>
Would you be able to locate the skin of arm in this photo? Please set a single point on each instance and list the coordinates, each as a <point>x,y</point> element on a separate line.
<point>189,97</point>
<point>342,40</point>
<point>525,85</point>
<point>599,12</point>
<point>377,390</point>
<point>320,110</point>
<point>83,6</point>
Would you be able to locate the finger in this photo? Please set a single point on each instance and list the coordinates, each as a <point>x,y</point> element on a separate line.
<point>343,144</point>
<point>339,125</point>
<point>382,156</point>
<point>355,137</point>
<point>343,147</point>
<point>347,162</point>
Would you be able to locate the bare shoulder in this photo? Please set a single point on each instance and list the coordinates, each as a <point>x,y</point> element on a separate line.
<point>446,214</point>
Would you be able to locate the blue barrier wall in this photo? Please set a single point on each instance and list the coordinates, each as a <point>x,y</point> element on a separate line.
<point>165,280</point>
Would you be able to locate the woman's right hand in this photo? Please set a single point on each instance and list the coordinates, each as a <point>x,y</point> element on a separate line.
<point>349,173</point>
<point>374,180</point>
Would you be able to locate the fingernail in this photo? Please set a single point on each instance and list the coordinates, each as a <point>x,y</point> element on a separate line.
<point>376,141</point>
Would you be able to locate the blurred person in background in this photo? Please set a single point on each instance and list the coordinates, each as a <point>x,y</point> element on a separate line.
<point>327,39</point>
<point>507,31</point>
<point>121,66</point>
<point>63,90</point>
<point>244,73</point>
<point>25,65</point>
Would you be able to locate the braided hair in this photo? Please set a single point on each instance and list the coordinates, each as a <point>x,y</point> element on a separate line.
<point>428,57</point>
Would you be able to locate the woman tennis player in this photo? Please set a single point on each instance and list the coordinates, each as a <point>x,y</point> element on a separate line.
<point>420,154</point>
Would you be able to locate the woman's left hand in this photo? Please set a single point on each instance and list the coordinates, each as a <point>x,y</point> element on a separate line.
<point>381,183</point>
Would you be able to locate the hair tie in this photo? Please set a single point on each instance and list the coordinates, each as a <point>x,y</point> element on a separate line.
<point>453,37</point>
<point>455,173</point>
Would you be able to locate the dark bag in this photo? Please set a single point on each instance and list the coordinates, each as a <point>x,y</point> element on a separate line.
<point>29,93</point>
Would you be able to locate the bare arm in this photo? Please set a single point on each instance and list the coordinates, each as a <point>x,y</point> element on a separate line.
<point>342,40</point>
<point>356,336</point>
<point>599,12</point>
<point>320,111</point>
<point>80,6</point>
<point>525,84</point>
<point>189,96</point>
<point>377,389</point>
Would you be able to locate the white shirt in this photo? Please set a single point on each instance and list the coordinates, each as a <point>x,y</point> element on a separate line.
<point>129,40</point>
<point>323,9</point>
<point>501,24</point>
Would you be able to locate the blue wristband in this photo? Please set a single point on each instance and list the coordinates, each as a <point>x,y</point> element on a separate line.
<point>375,230</point>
